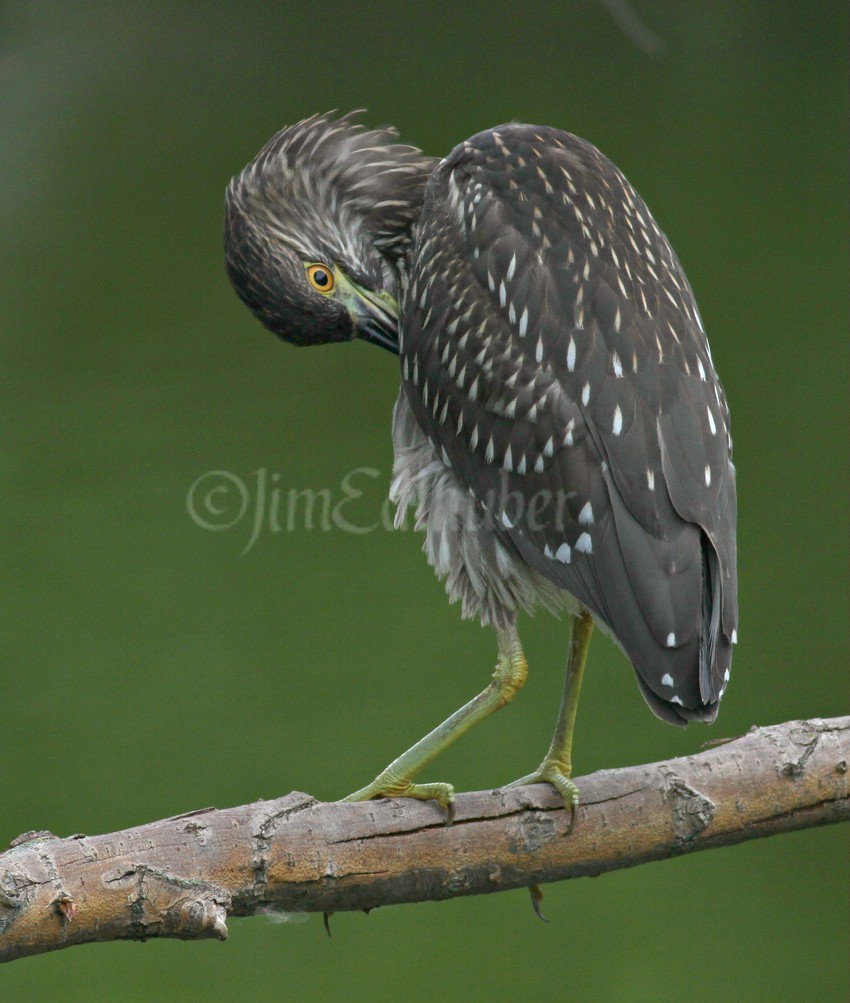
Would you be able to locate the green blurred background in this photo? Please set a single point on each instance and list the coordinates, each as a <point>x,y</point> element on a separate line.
<point>149,667</point>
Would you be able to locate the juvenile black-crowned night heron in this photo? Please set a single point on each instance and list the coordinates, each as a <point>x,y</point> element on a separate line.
<point>560,428</point>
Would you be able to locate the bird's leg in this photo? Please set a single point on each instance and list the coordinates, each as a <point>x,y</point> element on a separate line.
<point>397,779</point>
<point>558,764</point>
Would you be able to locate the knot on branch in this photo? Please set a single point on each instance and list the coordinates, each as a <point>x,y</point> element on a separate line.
<point>166,905</point>
<point>692,811</point>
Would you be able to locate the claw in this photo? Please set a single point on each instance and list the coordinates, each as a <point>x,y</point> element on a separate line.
<point>536,893</point>
<point>326,916</point>
<point>450,813</point>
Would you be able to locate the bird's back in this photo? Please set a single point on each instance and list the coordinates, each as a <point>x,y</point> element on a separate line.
<point>554,359</point>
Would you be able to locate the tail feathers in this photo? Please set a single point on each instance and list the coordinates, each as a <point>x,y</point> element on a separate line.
<point>710,681</point>
<point>713,652</point>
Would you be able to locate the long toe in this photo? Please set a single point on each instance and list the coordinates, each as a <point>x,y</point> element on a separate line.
<point>386,786</point>
<point>550,773</point>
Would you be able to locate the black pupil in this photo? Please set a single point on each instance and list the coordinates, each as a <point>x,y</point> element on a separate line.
<point>321,277</point>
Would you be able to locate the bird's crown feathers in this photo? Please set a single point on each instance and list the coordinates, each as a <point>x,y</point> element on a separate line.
<point>335,168</point>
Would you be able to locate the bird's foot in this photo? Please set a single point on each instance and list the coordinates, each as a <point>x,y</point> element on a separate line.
<point>550,772</point>
<point>387,785</point>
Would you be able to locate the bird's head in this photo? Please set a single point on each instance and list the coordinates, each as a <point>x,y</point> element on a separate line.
<point>315,227</point>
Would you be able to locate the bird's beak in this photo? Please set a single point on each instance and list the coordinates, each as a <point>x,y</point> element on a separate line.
<point>375,315</point>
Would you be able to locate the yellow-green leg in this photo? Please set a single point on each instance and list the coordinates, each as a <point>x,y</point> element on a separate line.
<point>397,779</point>
<point>558,763</point>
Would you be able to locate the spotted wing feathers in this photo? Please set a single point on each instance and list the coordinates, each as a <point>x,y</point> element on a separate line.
<point>553,352</point>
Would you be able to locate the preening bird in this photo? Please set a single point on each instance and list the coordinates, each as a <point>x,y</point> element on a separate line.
<point>560,428</point>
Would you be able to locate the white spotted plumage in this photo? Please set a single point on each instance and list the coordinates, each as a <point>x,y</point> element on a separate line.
<point>550,346</point>
<point>541,322</point>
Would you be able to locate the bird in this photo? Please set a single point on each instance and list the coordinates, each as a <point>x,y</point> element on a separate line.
<point>560,428</point>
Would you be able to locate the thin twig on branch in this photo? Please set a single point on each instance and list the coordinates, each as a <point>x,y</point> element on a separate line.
<point>182,877</point>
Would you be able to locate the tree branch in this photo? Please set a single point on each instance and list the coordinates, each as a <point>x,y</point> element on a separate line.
<point>181,877</point>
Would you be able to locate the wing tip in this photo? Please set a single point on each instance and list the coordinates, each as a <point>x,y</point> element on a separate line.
<point>674,713</point>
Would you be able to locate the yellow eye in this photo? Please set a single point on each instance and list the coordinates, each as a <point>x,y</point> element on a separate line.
<point>320,278</point>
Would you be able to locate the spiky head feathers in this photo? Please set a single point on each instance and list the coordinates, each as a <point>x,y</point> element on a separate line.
<point>324,190</point>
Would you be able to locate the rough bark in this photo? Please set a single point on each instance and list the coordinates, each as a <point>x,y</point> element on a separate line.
<point>183,876</point>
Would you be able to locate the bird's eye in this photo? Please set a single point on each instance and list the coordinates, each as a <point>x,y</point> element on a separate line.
<point>320,278</point>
